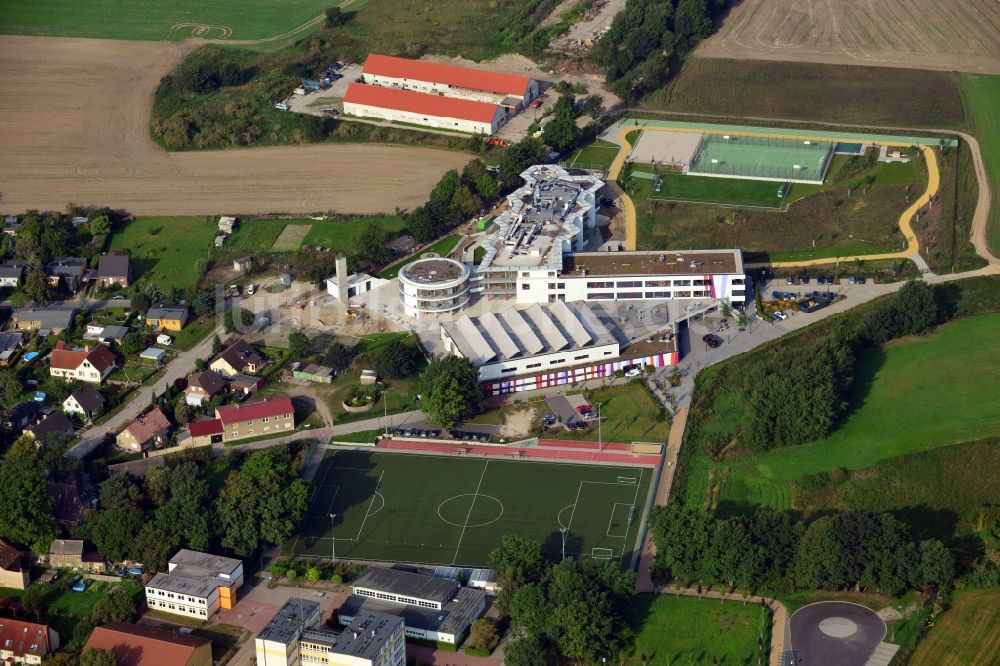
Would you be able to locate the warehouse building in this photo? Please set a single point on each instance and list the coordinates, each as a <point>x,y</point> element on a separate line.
<point>398,105</point>
<point>431,608</point>
<point>452,81</point>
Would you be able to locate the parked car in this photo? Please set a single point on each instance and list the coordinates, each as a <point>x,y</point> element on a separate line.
<point>119,297</point>
<point>789,280</point>
<point>779,316</point>
<point>633,371</point>
<point>251,290</point>
<point>805,279</point>
<point>712,340</point>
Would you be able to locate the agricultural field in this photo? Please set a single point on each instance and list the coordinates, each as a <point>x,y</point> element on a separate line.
<point>856,211</point>
<point>453,510</point>
<point>166,251</point>
<point>982,98</point>
<point>688,630</point>
<point>922,34</point>
<point>151,20</point>
<point>967,633</point>
<point>897,408</point>
<point>812,92</point>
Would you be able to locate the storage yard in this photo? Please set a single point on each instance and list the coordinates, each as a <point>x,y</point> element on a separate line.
<point>88,102</point>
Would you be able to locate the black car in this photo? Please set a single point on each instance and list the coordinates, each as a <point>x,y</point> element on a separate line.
<point>712,340</point>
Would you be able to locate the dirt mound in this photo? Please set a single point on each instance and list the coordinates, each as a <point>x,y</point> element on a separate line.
<point>74,124</point>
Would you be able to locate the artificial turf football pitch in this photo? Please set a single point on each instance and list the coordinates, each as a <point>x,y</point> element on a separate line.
<point>453,510</point>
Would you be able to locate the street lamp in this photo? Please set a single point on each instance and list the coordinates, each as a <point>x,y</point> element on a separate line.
<point>333,541</point>
<point>563,531</point>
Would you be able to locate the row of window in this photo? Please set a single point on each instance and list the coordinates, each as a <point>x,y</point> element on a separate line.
<point>556,361</point>
<point>267,418</point>
<point>166,605</point>
<point>629,295</point>
<point>152,591</point>
<point>396,598</point>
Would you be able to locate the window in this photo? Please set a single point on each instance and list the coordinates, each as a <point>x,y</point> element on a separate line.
<point>557,361</point>
<point>600,285</point>
<point>657,294</point>
<point>657,283</point>
<point>580,357</point>
<point>249,431</point>
<point>533,365</point>
<point>682,283</point>
<point>525,287</point>
<point>627,284</point>
<point>265,419</point>
<point>630,294</point>
<point>506,370</point>
<point>562,285</point>
<point>599,294</point>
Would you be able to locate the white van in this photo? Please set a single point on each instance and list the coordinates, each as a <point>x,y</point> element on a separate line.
<point>633,371</point>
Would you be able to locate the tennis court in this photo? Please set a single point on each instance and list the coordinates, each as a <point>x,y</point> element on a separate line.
<point>762,158</point>
<point>453,510</point>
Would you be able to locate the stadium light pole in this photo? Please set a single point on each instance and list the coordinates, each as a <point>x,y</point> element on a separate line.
<point>333,541</point>
<point>563,531</point>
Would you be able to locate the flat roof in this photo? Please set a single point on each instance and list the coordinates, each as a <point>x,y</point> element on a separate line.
<point>290,621</point>
<point>666,262</point>
<point>364,638</point>
<point>197,587</point>
<point>406,584</point>
<point>422,103</point>
<point>431,271</point>
<point>206,564</point>
<point>451,619</point>
<point>451,75</point>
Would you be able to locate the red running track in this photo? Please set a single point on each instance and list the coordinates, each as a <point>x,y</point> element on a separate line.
<point>537,454</point>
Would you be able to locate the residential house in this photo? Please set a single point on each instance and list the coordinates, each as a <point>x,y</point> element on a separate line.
<point>148,430</point>
<point>202,386</point>
<point>195,584</point>
<point>171,318</point>
<point>15,567</point>
<point>11,274</point>
<point>26,642</point>
<point>91,365</point>
<point>11,225</point>
<point>67,502</point>
<point>10,347</point>
<point>66,271</point>
<point>74,554</point>
<point>136,645</point>
<point>85,401</point>
<point>238,358</point>
<point>114,270</point>
<point>206,433</point>
<point>23,414</point>
<point>245,385</point>
<point>242,265</point>
<point>271,416</point>
<point>106,333</point>
<point>227,224</point>
<point>53,320</point>
<point>53,427</point>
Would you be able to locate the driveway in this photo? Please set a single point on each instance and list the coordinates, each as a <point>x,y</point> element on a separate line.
<point>835,633</point>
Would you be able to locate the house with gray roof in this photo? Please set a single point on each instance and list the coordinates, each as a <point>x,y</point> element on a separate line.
<point>42,319</point>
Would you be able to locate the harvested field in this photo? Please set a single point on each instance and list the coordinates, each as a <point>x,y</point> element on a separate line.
<point>88,102</point>
<point>960,35</point>
<point>291,238</point>
<point>815,92</point>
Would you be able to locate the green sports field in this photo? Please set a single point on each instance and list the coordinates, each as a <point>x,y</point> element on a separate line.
<point>753,157</point>
<point>148,19</point>
<point>725,191</point>
<point>453,510</point>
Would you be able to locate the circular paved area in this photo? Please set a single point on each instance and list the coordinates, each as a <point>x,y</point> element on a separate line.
<point>835,633</point>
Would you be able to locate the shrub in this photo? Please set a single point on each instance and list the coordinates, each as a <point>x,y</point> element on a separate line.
<point>336,579</point>
<point>291,574</point>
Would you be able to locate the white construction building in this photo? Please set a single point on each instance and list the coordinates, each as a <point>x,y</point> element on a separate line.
<point>344,286</point>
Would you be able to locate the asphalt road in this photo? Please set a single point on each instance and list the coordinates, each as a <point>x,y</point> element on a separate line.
<point>835,633</point>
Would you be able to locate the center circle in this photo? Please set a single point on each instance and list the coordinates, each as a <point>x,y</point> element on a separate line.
<point>458,510</point>
<point>838,627</point>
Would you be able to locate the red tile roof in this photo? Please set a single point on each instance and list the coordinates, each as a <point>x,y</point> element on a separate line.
<point>10,557</point>
<point>414,102</point>
<point>24,638</point>
<point>205,428</point>
<point>275,406</point>
<point>66,359</point>
<point>144,646</point>
<point>452,75</point>
<point>148,425</point>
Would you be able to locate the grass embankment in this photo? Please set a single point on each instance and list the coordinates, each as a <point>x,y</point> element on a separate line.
<point>442,248</point>
<point>981,93</point>
<point>688,630</point>
<point>812,92</point>
<point>969,633</point>
<point>856,211</point>
<point>149,19</point>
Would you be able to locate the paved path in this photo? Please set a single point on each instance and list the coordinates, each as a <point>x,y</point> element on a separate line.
<point>182,365</point>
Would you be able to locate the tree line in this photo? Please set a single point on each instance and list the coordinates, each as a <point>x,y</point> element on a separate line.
<point>772,552</point>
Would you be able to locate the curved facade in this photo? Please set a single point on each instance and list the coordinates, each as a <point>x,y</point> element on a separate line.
<point>433,286</point>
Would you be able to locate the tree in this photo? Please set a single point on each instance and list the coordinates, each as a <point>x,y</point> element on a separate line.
<point>153,547</point>
<point>486,186</point>
<point>453,390</point>
<point>936,564</point>
<point>118,605</point>
<point>371,243</point>
<point>31,600</point>
<point>465,203</point>
<point>484,634</point>
<point>132,343</point>
<point>299,345</point>
<point>529,611</point>
<point>527,651</point>
<point>692,21</point>
<point>217,345</point>
<point>397,359</point>
<point>25,504</point>
<point>120,490</point>
<point>335,17</point>
<point>113,531</point>
<point>10,387</point>
<point>36,287</point>
<point>245,319</point>
<point>517,559</point>
<point>185,515</point>
<point>338,356</point>
<point>313,573</point>
<point>561,132</point>
<point>61,659</point>
<point>95,657</point>
<point>100,225</point>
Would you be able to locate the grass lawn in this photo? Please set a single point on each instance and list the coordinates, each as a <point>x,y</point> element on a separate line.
<point>363,437</point>
<point>731,191</point>
<point>256,237</point>
<point>193,333</point>
<point>981,93</point>
<point>910,397</point>
<point>441,247</point>
<point>226,638</point>
<point>166,250</point>
<point>627,415</point>
<point>598,155</point>
<point>967,633</point>
<point>688,630</point>
<point>148,19</point>
<point>453,510</point>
